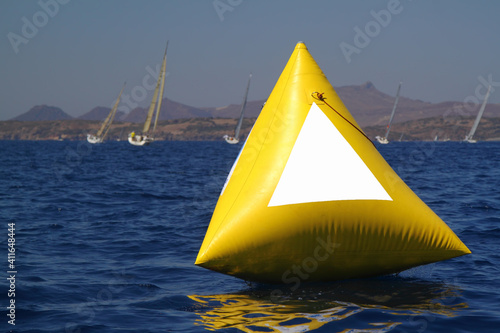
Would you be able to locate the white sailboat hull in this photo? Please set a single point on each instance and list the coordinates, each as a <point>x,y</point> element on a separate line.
<point>93,139</point>
<point>106,125</point>
<point>382,140</point>
<point>145,138</point>
<point>140,140</point>
<point>469,137</point>
<point>235,139</point>
<point>231,140</point>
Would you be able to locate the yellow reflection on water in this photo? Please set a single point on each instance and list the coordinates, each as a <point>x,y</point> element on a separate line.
<point>250,315</point>
<point>310,309</point>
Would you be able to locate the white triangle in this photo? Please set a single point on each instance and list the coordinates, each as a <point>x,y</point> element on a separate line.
<point>324,167</point>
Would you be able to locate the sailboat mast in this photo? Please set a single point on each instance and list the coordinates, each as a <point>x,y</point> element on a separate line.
<point>160,98</point>
<point>103,126</point>
<point>393,111</point>
<point>152,106</point>
<point>107,121</point>
<point>113,111</point>
<point>479,115</point>
<point>242,111</point>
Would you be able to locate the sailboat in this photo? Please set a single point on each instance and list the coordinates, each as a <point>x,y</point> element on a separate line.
<point>101,134</point>
<point>236,138</point>
<point>469,137</point>
<point>309,196</point>
<point>384,140</point>
<point>147,135</point>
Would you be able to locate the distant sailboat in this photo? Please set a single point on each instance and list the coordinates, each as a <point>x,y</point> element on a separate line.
<point>384,139</point>
<point>146,137</point>
<point>401,137</point>
<point>101,134</point>
<point>469,137</point>
<point>236,138</point>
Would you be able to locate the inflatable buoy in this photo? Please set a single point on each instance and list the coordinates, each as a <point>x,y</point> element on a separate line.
<point>310,198</point>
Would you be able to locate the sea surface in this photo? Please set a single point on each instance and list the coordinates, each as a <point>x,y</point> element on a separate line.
<point>106,237</point>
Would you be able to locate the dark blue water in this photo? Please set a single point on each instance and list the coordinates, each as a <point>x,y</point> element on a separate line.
<point>106,237</point>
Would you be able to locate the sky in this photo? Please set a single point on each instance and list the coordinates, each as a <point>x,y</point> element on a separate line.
<point>76,54</point>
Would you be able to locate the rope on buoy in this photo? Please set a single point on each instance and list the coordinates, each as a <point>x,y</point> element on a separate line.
<point>319,96</point>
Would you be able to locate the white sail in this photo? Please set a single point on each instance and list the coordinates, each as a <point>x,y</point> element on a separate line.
<point>393,111</point>
<point>152,107</point>
<point>384,139</point>
<point>236,138</point>
<point>469,137</point>
<point>113,112</point>
<point>106,125</point>
<point>162,85</point>
<point>145,137</point>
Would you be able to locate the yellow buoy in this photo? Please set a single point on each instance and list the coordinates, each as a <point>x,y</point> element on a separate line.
<point>310,197</point>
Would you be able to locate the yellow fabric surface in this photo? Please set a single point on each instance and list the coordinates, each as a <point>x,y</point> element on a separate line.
<point>322,240</point>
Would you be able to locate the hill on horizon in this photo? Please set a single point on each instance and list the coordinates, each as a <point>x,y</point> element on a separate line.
<point>169,110</point>
<point>100,113</point>
<point>368,105</point>
<point>43,112</point>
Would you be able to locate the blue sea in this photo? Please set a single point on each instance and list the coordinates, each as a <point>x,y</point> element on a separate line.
<point>106,237</point>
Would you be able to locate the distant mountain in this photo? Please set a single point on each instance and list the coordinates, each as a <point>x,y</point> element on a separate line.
<point>214,128</point>
<point>100,113</point>
<point>169,110</point>
<point>137,115</point>
<point>252,110</point>
<point>369,106</point>
<point>43,112</point>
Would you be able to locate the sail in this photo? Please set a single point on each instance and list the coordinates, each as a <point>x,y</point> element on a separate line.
<point>151,110</point>
<point>111,116</point>
<point>479,115</point>
<point>160,98</point>
<point>104,124</point>
<point>310,194</point>
<point>152,106</point>
<point>113,113</point>
<point>393,111</point>
<point>109,119</point>
<point>243,105</point>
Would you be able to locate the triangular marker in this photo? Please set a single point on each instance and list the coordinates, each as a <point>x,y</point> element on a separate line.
<point>324,167</point>
<point>310,196</point>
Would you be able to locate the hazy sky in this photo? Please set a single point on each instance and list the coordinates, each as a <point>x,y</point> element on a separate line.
<point>76,54</point>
